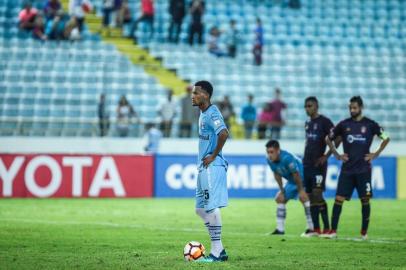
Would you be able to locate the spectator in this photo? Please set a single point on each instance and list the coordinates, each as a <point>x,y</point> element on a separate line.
<point>147,16</point>
<point>52,8</point>
<point>104,117</point>
<point>249,115</point>
<point>55,27</point>
<point>108,9</point>
<point>196,25</point>
<point>71,31</point>
<point>167,112</point>
<point>77,10</point>
<point>123,14</point>
<point>39,29</point>
<point>27,16</point>
<point>154,136</point>
<point>189,116</point>
<point>214,47</point>
<point>125,113</point>
<point>258,43</point>
<point>276,121</point>
<point>264,121</point>
<point>227,110</point>
<point>177,12</point>
<point>232,38</point>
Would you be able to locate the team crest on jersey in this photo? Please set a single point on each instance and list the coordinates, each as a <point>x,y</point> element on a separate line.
<point>348,129</point>
<point>363,129</point>
<point>292,166</point>
<point>315,126</point>
<point>306,127</point>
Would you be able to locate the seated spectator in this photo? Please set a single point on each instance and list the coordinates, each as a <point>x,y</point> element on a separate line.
<point>39,29</point>
<point>27,16</point>
<point>52,8</point>
<point>71,31</point>
<point>214,47</point>
<point>78,9</point>
<point>55,28</point>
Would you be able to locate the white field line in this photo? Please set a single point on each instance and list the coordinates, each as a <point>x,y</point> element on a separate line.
<point>146,227</point>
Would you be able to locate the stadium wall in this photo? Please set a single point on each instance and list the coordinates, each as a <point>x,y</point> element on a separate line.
<point>83,167</point>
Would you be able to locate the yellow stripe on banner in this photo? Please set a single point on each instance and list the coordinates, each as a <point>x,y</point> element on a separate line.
<point>401,178</point>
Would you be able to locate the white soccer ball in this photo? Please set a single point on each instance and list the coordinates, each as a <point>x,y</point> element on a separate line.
<point>193,251</point>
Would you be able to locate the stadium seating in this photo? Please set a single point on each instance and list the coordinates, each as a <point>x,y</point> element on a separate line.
<point>53,88</point>
<point>332,49</point>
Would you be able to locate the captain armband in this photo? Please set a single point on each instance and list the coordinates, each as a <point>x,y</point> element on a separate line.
<point>384,136</point>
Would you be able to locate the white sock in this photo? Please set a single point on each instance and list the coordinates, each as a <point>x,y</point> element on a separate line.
<point>280,217</point>
<point>309,220</point>
<point>215,226</point>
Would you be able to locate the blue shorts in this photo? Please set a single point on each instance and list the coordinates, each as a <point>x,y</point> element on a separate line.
<point>211,189</point>
<point>290,191</point>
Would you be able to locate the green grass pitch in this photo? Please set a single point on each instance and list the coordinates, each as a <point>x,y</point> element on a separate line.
<point>151,234</point>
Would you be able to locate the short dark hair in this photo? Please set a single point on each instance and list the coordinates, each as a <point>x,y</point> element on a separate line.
<point>312,99</point>
<point>273,144</point>
<point>358,100</point>
<point>206,86</point>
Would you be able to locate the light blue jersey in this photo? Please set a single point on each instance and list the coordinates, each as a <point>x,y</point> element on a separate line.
<point>285,167</point>
<point>211,122</point>
<point>211,188</point>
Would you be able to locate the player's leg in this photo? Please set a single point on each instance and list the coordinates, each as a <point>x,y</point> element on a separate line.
<point>291,193</point>
<point>344,191</point>
<point>200,201</point>
<point>319,186</point>
<point>280,214</point>
<point>216,197</point>
<point>309,184</point>
<point>364,189</point>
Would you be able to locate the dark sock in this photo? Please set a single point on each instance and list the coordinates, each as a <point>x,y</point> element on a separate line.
<point>314,210</point>
<point>336,214</point>
<point>366,212</point>
<point>324,215</point>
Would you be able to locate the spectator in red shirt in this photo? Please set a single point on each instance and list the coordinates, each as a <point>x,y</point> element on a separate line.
<point>276,121</point>
<point>147,8</point>
<point>27,17</point>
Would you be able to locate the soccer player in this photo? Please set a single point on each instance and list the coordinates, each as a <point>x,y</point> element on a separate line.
<point>284,164</point>
<point>357,133</point>
<point>317,127</point>
<point>211,190</point>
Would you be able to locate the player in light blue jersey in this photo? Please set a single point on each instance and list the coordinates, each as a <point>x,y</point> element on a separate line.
<point>211,190</point>
<point>286,165</point>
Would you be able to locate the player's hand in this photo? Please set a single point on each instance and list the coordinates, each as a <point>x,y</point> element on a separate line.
<point>343,157</point>
<point>207,160</point>
<point>369,157</point>
<point>321,160</point>
<point>303,195</point>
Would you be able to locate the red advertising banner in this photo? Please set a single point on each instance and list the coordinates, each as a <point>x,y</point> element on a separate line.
<point>76,175</point>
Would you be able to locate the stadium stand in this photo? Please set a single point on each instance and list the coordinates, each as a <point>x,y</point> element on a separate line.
<point>330,49</point>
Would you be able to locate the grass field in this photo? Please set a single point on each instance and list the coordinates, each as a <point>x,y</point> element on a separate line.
<point>151,233</point>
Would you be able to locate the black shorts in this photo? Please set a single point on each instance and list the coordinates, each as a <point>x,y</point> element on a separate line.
<point>315,177</point>
<point>360,181</point>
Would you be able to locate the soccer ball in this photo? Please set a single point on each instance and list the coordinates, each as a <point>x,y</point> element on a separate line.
<point>193,251</point>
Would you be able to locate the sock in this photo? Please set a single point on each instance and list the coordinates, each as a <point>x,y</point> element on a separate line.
<point>280,217</point>
<point>336,214</point>
<point>309,220</point>
<point>366,211</point>
<point>215,226</point>
<point>314,210</point>
<point>324,215</point>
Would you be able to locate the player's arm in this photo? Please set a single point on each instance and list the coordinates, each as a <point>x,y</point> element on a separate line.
<point>334,133</point>
<point>323,159</point>
<point>385,140</point>
<point>298,181</point>
<point>278,179</point>
<point>221,140</point>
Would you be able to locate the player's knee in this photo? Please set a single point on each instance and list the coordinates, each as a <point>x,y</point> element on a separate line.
<point>365,200</point>
<point>279,199</point>
<point>339,199</point>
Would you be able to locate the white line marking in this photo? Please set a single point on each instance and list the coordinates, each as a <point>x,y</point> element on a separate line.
<point>140,226</point>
